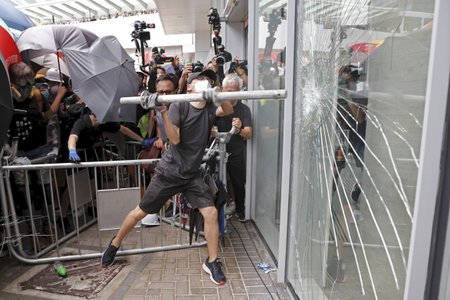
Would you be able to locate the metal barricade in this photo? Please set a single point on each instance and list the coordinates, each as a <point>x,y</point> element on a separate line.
<point>69,211</point>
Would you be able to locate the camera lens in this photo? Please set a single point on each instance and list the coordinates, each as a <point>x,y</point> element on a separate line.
<point>220,60</point>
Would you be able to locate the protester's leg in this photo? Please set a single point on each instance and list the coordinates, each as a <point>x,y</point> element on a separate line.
<point>159,190</point>
<point>128,224</point>
<point>211,230</point>
<point>237,178</point>
<point>197,192</point>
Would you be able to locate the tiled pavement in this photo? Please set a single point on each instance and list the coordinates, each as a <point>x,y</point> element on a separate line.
<point>174,274</point>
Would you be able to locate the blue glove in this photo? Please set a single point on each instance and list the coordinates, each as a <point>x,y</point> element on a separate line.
<point>147,143</point>
<point>73,156</point>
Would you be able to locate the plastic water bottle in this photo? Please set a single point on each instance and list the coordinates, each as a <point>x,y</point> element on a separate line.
<point>60,269</point>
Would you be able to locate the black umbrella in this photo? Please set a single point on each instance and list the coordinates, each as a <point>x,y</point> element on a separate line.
<point>6,105</point>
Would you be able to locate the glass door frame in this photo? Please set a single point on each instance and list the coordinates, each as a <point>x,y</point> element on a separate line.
<point>430,154</point>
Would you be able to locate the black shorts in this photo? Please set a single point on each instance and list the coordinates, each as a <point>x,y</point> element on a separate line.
<point>163,186</point>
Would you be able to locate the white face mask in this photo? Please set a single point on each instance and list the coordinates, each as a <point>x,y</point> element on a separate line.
<point>201,85</point>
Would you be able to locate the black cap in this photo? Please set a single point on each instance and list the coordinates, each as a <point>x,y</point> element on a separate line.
<point>207,72</point>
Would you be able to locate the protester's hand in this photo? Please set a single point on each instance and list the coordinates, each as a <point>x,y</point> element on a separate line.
<point>187,70</point>
<point>159,143</point>
<point>214,64</point>
<point>62,90</point>
<point>161,108</point>
<point>236,122</point>
<point>73,156</point>
<point>176,62</point>
<point>147,143</point>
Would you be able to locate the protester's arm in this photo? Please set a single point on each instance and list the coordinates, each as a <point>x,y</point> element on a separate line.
<point>147,143</point>
<point>54,107</point>
<point>72,142</point>
<point>130,133</point>
<point>245,132</point>
<point>172,131</point>
<point>187,70</point>
<point>159,142</point>
<point>224,109</point>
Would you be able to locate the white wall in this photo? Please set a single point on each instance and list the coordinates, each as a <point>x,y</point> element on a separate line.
<point>123,26</point>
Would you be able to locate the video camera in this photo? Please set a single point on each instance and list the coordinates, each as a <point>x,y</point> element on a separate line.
<point>160,56</point>
<point>214,19</point>
<point>222,56</point>
<point>139,33</point>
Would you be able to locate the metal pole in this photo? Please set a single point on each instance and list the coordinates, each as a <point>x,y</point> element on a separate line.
<point>148,100</point>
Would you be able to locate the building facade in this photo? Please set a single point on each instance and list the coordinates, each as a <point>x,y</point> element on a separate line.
<point>344,180</point>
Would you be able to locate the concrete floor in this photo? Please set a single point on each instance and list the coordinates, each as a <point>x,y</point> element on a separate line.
<point>168,275</point>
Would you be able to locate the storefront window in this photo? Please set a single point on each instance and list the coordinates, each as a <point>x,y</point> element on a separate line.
<point>269,119</point>
<point>361,70</point>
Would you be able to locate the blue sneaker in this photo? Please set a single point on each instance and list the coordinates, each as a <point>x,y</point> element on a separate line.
<point>214,269</point>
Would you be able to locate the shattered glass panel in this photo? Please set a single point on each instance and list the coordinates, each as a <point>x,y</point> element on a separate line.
<point>268,121</point>
<point>361,70</point>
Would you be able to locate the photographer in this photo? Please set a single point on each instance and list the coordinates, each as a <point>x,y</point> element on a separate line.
<point>236,147</point>
<point>188,70</point>
<point>240,68</point>
<point>175,67</point>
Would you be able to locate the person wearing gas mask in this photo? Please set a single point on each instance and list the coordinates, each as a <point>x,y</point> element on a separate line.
<point>53,97</point>
<point>30,119</point>
<point>29,126</point>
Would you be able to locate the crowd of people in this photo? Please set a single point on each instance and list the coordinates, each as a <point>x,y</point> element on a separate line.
<point>50,121</point>
<point>93,18</point>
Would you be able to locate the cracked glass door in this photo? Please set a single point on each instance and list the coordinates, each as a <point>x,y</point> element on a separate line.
<point>361,70</point>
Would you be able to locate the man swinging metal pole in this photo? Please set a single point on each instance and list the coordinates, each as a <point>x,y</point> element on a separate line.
<point>148,100</point>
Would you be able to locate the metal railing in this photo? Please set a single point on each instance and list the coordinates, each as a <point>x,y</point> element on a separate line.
<point>69,211</point>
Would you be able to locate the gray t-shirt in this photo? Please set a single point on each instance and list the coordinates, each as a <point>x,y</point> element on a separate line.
<point>184,160</point>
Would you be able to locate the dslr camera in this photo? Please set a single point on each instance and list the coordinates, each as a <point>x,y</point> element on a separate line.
<point>159,56</point>
<point>222,56</point>
<point>237,63</point>
<point>197,67</point>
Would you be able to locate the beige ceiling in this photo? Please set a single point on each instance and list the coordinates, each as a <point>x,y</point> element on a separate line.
<point>185,16</point>
<point>177,16</point>
<point>47,11</point>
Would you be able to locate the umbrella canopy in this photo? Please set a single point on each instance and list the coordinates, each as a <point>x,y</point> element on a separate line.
<point>102,75</point>
<point>8,48</point>
<point>6,105</point>
<point>40,41</point>
<point>13,17</point>
<point>52,61</point>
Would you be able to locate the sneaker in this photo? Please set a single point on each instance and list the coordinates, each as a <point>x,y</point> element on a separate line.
<point>356,191</point>
<point>241,216</point>
<point>109,255</point>
<point>214,269</point>
<point>230,208</point>
<point>150,220</point>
